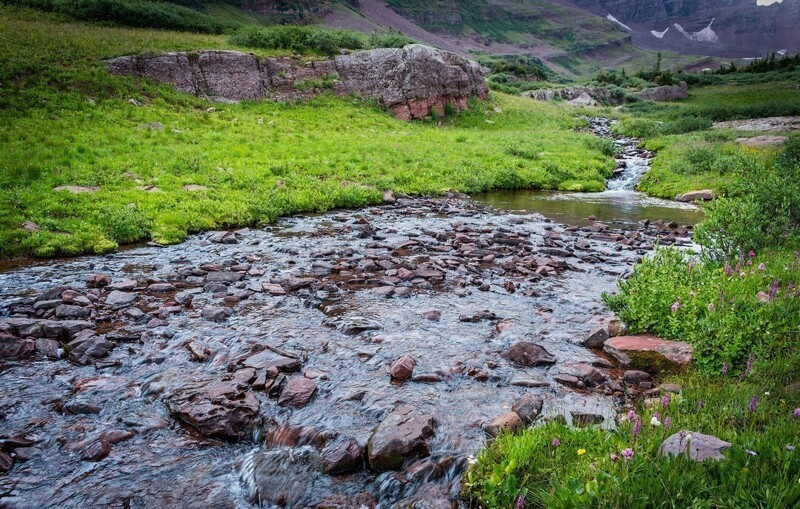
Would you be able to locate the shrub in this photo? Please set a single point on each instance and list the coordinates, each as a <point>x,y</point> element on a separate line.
<point>686,124</point>
<point>727,310</point>
<point>311,39</point>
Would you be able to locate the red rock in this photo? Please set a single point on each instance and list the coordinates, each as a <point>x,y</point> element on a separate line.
<point>298,392</point>
<point>403,368</point>
<point>650,353</point>
<point>526,353</point>
<point>403,434</point>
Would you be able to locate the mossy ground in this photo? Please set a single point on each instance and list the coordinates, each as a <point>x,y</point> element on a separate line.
<point>65,121</point>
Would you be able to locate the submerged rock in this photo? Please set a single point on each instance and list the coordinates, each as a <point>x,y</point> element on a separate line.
<point>526,353</point>
<point>215,408</point>
<point>402,435</point>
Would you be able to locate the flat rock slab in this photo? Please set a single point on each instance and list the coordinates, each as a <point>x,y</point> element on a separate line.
<point>268,359</point>
<point>298,392</point>
<point>52,329</point>
<point>761,124</point>
<point>698,446</point>
<point>650,353</point>
<point>402,435</point>
<point>692,196</point>
<point>761,141</point>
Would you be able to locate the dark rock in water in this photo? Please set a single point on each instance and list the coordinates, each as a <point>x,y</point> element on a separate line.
<point>697,446</point>
<point>11,346</point>
<point>6,462</point>
<point>596,339</point>
<point>215,408</point>
<point>524,381</point>
<point>86,351</point>
<point>115,436</point>
<point>53,329</point>
<point>432,314</point>
<point>298,392</point>
<point>216,314</point>
<point>160,288</point>
<point>361,500</point>
<point>477,317</point>
<point>526,353</point>
<point>506,423</point>
<point>97,450</point>
<point>268,359</point>
<point>402,435</point>
<point>81,408</point>
<point>402,368</point>
<point>569,380</point>
<point>582,419</point>
<point>352,325</point>
<point>98,281</point>
<point>586,373</point>
<point>342,457</point>
<point>429,496</point>
<point>127,285</point>
<point>528,408</point>
<point>199,351</point>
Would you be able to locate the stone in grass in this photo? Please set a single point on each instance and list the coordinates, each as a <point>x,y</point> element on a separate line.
<point>528,408</point>
<point>650,353</point>
<point>509,422</point>
<point>698,446</point>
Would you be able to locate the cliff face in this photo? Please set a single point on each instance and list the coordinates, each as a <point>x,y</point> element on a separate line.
<point>412,81</point>
<point>721,27</point>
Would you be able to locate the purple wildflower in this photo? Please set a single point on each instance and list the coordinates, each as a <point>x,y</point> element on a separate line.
<point>657,415</point>
<point>742,274</point>
<point>761,266</point>
<point>675,305</point>
<point>628,454</point>
<point>773,289</point>
<point>631,415</point>
<point>637,428</point>
<point>520,502</point>
<point>710,307</point>
<point>556,442</point>
<point>614,457</point>
<point>665,400</point>
<point>749,367</point>
<point>790,448</point>
<point>797,412</point>
<point>749,263</point>
<point>701,404</point>
<point>753,403</point>
<point>728,269</point>
<point>667,422</point>
<point>724,368</point>
<point>752,254</point>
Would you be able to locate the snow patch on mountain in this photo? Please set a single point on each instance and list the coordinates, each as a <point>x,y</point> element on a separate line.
<point>705,35</point>
<point>618,22</point>
<point>659,35</point>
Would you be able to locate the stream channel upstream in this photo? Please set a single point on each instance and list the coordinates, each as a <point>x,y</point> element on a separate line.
<point>251,368</point>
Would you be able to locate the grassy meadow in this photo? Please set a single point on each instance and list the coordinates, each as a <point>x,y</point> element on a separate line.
<point>64,121</point>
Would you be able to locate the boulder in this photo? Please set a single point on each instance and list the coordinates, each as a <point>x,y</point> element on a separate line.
<point>583,100</point>
<point>581,419</point>
<point>528,408</point>
<point>692,196</point>
<point>402,435</point>
<point>11,346</point>
<point>698,446</point>
<point>87,349</point>
<point>119,299</point>
<point>650,353</point>
<point>412,82</point>
<point>586,373</point>
<point>402,368</point>
<point>222,409</point>
<point>509,422</point>
<point>526,353</point>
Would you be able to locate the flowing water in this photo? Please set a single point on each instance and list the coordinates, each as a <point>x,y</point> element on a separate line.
<point>342,295</point>
<point>619,205</point>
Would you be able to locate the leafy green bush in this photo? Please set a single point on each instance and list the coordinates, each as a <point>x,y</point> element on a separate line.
<point>686,124</point>
<point>727,310</point>
<point>763,205</point>
<point>134,13</point>
<point>305,39</point>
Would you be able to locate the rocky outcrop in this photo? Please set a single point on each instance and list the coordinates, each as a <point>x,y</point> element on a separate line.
<point>412,82</point>
<point>766,124</point>
<point>665,93</point>
<point>693,196</point>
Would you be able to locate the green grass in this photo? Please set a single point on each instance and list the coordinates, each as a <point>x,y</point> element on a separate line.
<point>65,121</point>
<point>527,465</point>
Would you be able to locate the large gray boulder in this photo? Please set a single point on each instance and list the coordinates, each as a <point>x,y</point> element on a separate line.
<point>697,446</point>
<point>665,93</point>
<point>412,81</point>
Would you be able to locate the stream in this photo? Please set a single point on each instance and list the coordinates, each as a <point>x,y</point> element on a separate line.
<point>251,368</point>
